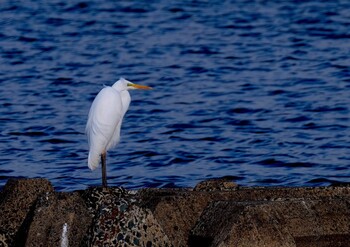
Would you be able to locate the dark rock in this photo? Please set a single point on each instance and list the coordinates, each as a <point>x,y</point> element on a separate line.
<point>59,219</point>
<point>222,184</point>
<point>16,206</point>
<point>215,213</point>
<point>280,223</point>
<point>178,211</point>
<point>119,221</point>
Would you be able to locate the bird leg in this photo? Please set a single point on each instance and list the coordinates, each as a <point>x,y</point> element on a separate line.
<point>104,172</point>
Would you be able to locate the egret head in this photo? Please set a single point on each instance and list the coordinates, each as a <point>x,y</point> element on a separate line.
<point>123,84</point>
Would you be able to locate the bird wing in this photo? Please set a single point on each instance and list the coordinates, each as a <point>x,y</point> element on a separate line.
<point>105,114</point>
<point>125,99</point>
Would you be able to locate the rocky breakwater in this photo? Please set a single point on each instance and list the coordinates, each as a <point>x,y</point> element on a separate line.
<point>214,213</point>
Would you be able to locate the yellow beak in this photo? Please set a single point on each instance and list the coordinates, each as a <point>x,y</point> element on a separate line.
<point>137,86</point>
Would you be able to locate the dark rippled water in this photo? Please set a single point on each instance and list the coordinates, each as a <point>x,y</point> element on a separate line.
<point>255,90</point>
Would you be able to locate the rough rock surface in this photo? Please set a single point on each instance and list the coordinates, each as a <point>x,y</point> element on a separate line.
<point>179,210</point>
<point>16,203</point>
<point>215,213</point>
<point>280,223</point>
<point>221,184</point>
<point>119,221</point>
<point>58,218</point>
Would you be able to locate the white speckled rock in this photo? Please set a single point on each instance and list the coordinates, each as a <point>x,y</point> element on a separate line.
<point>119,221</point>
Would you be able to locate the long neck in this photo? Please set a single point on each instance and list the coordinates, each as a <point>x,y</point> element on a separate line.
<point>125,96</point>
<point>119,86</point>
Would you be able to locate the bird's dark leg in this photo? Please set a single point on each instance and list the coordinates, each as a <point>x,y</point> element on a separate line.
<point>104,172</point>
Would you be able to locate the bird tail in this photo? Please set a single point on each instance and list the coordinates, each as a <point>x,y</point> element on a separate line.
<point>93,160</point>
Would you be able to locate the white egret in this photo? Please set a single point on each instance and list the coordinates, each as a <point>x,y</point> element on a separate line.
<point>104,121</point>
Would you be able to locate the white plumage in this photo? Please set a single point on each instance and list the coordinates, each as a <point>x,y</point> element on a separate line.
<point>105,119</point>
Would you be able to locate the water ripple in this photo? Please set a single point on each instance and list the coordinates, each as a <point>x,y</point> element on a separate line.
<point>257,92</point>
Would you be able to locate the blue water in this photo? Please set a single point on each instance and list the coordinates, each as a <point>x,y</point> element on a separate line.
<point>258,91</point>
